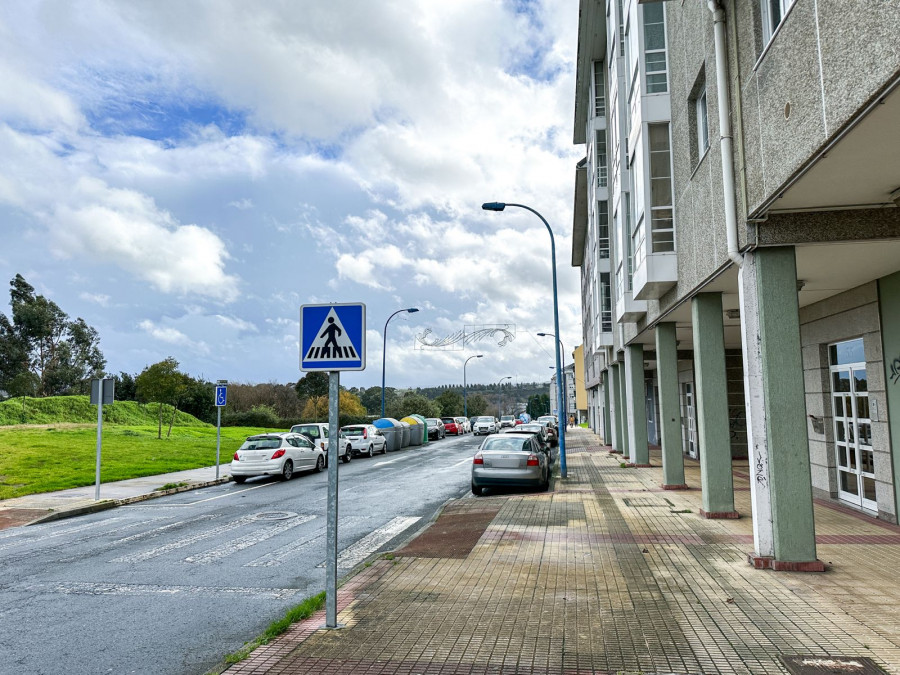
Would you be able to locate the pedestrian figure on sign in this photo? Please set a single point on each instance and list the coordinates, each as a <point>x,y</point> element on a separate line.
<point>332,332</point>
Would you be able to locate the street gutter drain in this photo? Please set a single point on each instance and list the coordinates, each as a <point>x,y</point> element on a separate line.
<point>274,515</point>
<point>831,665</point>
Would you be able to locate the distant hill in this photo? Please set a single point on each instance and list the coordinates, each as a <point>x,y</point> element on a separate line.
<point>78,409</point>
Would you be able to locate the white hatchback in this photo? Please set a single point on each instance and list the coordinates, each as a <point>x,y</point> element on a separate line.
<point>275,455</point>
<point>363,439</point>
<point>317,432</point>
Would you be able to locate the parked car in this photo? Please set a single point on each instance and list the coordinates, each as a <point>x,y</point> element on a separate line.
<point>317,432</point>
<point>552,433</point>
<point>466,425</point>
<point>507,421</point>
<point>508,460</point>
<point>485,425</point>
<point>363,439</point>
<point>549,418</point>
<point>451,426</point>
<point>540,431</point>
<point>436,429</point>
<point>276,455</point>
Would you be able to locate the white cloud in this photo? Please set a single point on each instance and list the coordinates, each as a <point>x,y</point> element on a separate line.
<point>172,336</point>
<point>98,298</point>
<point>236,324</point>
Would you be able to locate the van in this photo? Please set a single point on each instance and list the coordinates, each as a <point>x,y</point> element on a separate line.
<point>317,432</point>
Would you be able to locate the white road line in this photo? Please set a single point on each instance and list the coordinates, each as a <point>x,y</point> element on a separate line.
<point>232,547</point>
<point>181,543</point>
<point>160,530</point>
<point>467,460</point>
<point>58,533</point>
<point>200,501</point>
<point>390,461</point>
<point>279,555</point>
<point>356,553</point>
<point>86,588</point>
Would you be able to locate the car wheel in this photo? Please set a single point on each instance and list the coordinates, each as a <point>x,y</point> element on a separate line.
<point>320,464</point>
<point>546,484</point>
<point>239,479</point>
<point>287,470</point>
<point>371,451</point>
<point>348,456</point>
<point>384,448</point>
<point>476,490</point>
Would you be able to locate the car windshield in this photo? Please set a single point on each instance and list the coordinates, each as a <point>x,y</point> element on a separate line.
<point>508,443</point>
<point>310,430</point>
<point>485,419</point>
<point>261,443</point>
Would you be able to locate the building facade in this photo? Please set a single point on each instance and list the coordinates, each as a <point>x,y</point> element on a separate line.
<point>738,233</point>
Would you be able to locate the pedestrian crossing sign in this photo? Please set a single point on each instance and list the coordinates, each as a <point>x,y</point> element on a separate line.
<point>333,337</point>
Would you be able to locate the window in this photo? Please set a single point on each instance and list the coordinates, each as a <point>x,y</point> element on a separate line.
<point>629,246</point>
<point>773,13</point>
<point>621,29</point>
<point>655,48</point>
<point>603,230</point>
<point>637,240</point>
<point>599,90</point>
<point>702,123</point>
<point>662,227</point>
<point>601,159</point>
<point>605,303</point>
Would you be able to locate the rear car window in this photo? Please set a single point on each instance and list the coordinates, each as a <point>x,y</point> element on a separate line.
<point>309,429</point>
<point>352,431</point>
<point>506,443</point>
<point>448,420</point>
<point>261,444</point>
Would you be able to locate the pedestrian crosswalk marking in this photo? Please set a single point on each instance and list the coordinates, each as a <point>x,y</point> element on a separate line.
<point>356,553</point>
<point>187,541</point>
<point>332,342</point>
<point>247,541</point>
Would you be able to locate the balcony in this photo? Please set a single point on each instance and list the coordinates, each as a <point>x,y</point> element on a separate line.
<point>655,275</point>
<point>629,310</point>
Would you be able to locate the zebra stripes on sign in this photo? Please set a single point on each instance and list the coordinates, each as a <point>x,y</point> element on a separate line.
<point>340,352</point>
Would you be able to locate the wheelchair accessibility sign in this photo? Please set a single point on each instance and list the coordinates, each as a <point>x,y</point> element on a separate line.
<point>333,337</point>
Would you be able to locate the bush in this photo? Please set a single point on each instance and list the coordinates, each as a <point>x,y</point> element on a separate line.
<point>258,416</point>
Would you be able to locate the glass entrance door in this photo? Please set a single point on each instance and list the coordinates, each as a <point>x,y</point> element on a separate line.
<point>854,455</point>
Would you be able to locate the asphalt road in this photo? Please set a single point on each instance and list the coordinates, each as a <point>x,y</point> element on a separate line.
<point>173,584</point>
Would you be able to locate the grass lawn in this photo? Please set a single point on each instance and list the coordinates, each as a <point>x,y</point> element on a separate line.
<point>47,457</point>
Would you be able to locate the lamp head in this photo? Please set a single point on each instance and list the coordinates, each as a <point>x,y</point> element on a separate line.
<point>411,310</point>
<point>493,206</point>
<point>543,334</point>
<point>478,356</point>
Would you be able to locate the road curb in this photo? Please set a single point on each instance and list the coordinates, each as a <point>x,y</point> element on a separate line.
<point>106,504</point>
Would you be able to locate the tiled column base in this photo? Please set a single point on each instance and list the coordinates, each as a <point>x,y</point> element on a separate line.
<point>683,486</point>
<point>615,452</point>
<point>639,466</point>
<point>762,562</point>
<point>720,515</point>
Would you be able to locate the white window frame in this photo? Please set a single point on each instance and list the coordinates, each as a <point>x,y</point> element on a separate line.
<point>663,51</point>
<point>653,231</point>
<point>599,90</point>
<point>774,13</point>
<point>601,158</point>
<point>702,124</point>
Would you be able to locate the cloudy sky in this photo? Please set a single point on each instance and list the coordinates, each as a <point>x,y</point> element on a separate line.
<point>184,175</point>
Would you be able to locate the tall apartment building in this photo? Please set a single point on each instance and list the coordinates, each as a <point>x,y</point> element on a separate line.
<point>738,233</point>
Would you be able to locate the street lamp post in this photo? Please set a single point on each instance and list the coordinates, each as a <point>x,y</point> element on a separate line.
<point>384,349</point>
<point>500,394</point>
<point>564,412</point>
<point>465,403</point>
<point>499,206</point>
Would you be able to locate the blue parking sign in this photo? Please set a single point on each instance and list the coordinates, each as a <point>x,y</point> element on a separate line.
<point>221,395</point>
<point>333,337</point>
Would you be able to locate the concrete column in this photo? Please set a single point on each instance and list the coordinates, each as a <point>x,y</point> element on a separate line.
<point>780,447</point>
<point>636,405</point>
<point>669,407</point>
<point>616,407</point>
<point>624,419</point>
<point>713,433</point>
<point>605,416</point>
<point>889,302</point>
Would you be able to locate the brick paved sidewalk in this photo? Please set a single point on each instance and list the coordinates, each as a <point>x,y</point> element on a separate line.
<point>605,574</point>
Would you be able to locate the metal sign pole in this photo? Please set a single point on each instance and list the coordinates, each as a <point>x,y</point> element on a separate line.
<point>334,383</point>
<point>99,441</point>
<point>218,437</point>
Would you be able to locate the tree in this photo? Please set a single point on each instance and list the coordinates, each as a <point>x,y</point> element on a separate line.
<point>538,404</point>
<point>412,403</point>
<point>41,339</point>
<point>371,398</point>
<point>451,403</point>
<point>161,383</point>
<point>349,404</point>
<point>313,388</point>
<point>477,405</point>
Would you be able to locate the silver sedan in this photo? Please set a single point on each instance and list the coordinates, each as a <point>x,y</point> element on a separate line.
<point>510,460</point>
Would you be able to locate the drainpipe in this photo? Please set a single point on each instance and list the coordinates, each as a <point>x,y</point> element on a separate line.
<point>725,142</point>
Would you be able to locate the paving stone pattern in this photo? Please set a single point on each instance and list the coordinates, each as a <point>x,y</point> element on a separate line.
<point>607,574</point>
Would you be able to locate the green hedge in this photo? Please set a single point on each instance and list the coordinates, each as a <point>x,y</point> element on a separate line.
<point>78,409</point>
